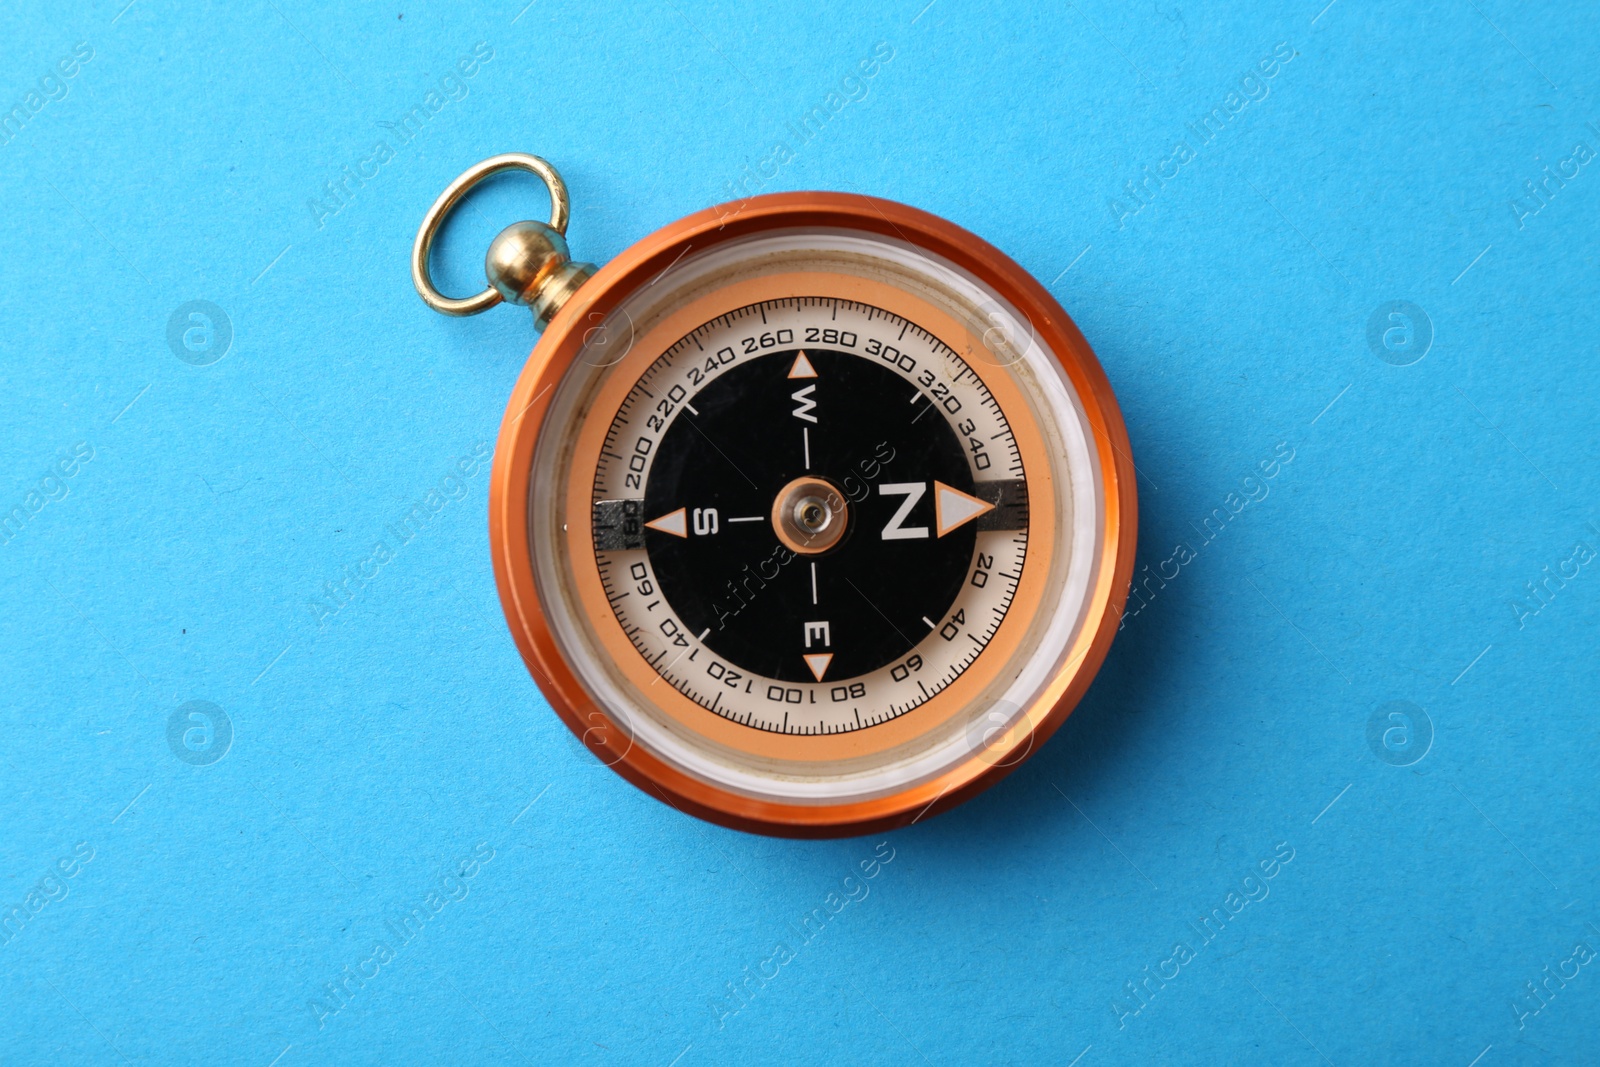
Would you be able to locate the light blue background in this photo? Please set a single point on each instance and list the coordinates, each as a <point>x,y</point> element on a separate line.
<point>371,752</point>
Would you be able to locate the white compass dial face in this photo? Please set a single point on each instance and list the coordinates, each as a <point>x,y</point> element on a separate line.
<point>810,516</point>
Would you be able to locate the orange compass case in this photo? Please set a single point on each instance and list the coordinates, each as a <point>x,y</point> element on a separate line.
<point>561,344</point>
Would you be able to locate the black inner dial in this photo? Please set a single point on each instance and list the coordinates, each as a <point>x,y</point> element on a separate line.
<point>874,437</point>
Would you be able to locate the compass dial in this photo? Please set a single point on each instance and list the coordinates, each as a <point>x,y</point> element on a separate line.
<point>828,515</point>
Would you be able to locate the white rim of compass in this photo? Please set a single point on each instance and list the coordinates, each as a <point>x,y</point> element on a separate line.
<point>1045,382</point>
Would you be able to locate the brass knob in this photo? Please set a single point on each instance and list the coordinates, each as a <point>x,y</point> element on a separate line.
<point>528,264</point>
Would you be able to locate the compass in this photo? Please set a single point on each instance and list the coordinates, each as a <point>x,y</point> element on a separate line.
<point>812,514</point>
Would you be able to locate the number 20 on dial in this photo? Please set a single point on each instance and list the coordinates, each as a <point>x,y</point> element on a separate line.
<point>811,514</point>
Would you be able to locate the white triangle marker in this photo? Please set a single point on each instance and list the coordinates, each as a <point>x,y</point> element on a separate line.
<point>675,523</point>
<point>818,662</point>
<point>802,367</point>
<point>953,509</point>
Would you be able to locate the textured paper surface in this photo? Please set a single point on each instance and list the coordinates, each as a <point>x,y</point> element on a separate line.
<point>1336,539</point>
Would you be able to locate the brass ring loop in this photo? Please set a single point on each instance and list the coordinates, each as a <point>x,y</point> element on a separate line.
<point>420,275</point>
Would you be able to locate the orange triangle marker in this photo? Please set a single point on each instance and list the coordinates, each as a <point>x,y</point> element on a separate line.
<point>818,662</point>
<point>675,523</point>
<point>953,509</point>
<point>802,367</point>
